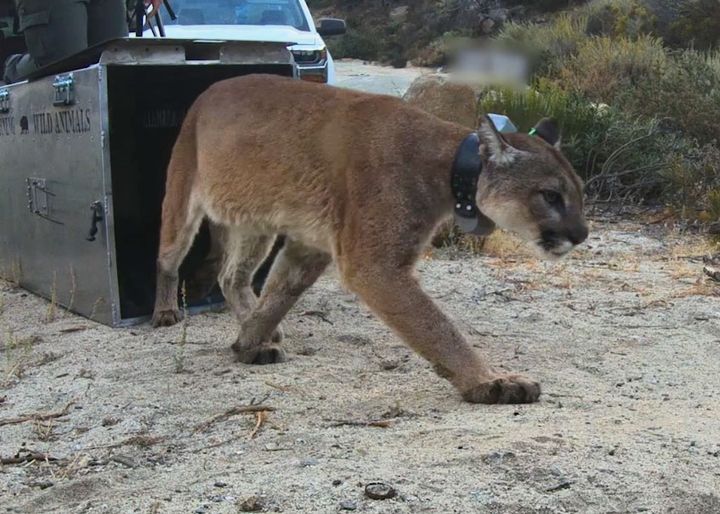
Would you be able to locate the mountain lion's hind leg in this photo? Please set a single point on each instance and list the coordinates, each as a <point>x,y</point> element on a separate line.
<point>242,255</point>
<point>295,269</point>
<point>176,237</point>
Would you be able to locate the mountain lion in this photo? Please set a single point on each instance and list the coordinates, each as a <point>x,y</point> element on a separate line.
<point>360,180</point>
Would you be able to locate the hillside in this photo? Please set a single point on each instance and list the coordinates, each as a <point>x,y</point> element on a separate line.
<point>397,31</point>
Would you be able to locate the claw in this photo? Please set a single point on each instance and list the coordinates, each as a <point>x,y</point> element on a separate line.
<point>504,390</point>
<point>166,318</point>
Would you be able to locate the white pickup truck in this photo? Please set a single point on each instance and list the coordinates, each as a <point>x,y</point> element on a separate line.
<point>259,20</point>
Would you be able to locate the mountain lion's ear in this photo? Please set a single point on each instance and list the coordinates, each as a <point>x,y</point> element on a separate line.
<point>547,129</point>
<point>496,146</point>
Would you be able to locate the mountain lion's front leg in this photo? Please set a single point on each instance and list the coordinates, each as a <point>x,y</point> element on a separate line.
<point>396,297</point>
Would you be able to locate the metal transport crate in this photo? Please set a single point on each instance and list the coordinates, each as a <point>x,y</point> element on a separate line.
<point>84,146</point>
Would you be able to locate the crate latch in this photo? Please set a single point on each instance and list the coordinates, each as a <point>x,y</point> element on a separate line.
<point>64,86</point>
<point>4,100</point>
<point>37,194</point>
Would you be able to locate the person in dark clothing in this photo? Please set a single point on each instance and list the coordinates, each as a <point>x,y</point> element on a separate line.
<point>55,29</point>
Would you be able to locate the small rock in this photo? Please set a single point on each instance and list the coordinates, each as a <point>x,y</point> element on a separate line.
<point>336,482</point>
<point>497,457</point>
<point>251,504</point>
<point>220,484</point>
<point>565,484</point>
<point>42,484</point>
<point>110,421</point>
<point>306,463</point>
<point>201,510</point>
<point>379,491</point>
<point>126,461</point>
<point>348,505</point>
<point>354,339</point>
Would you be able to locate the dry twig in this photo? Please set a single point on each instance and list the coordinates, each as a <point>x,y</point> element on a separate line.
<point>379,423</point>
<point>24,456</point>
<point>318,314</point>
<point>260,418</point>
<point>244,409</point>
<point>35,417</point>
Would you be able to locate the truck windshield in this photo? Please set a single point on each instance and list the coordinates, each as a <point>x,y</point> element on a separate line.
<point>238,12</point>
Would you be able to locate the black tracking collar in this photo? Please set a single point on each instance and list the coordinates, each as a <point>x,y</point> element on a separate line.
<point>465,172</point>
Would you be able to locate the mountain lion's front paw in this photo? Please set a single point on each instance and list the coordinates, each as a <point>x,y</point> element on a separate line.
<point>266,353</point>
<point>504,389</point>
<point>166,318</point>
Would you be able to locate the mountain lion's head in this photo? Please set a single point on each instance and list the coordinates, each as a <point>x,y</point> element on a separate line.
<point>528,187</point>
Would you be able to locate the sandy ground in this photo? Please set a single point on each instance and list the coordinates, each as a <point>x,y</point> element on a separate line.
<point>624,336</point>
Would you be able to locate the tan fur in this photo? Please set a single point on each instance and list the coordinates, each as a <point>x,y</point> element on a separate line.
<point>362,180</point>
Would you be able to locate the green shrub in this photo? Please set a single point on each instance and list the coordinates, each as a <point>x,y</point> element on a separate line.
<point>619,18</point>
<point>692,180</point>
<point>545,44</point>
<point>697,25</point>
<point>604,69</point>
<point>582,123</point>
<point>355,44</point>
<point>713,204</point>
<point>621,157</point>
<point>688,93</point>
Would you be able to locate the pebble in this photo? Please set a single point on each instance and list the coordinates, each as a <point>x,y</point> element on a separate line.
<point>497,457</point>
<point>220,484</point>
<point>251,504</point>
<point>42,484</point>
<point>336,482</point>
<point>379,491</point>
<point>305,463</point>
<point>348,505</point>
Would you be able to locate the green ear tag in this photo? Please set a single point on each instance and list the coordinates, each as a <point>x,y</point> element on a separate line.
<point>532,132</point>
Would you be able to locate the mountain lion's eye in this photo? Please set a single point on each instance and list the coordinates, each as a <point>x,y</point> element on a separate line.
<point>552,197</point>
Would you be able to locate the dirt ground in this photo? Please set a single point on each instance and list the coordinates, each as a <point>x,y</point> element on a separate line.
<point>624,337</point>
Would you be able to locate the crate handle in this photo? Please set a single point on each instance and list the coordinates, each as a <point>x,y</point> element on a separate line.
<point>97,217</point>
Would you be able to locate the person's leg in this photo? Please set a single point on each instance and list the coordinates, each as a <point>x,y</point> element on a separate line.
<point>53,29</point>
<point>107,19</point>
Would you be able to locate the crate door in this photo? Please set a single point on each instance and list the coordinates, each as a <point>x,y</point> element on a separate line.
<point>54,196</point>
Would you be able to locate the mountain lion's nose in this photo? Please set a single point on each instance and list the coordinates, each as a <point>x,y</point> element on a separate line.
<point>578,234</point>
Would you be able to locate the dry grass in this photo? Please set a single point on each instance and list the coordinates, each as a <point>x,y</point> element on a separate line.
<point>73,288</point>
<point>499,244</point>
<point>96,305</point>
<point>44,430</point>
<point>18,355</point>
<point>11,274</point>
<point>179,356</point>
<point>51,313</point>
<point>701,287</point>
<point>683,269</point>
